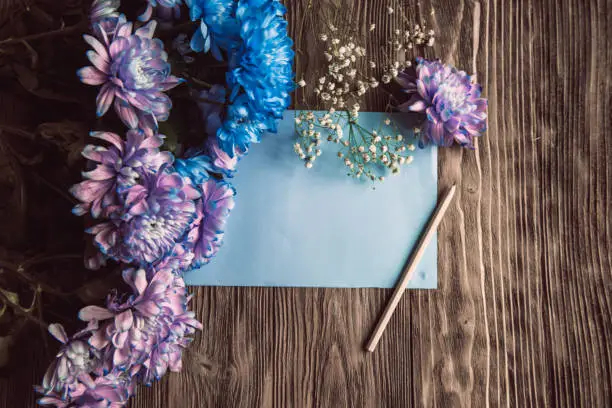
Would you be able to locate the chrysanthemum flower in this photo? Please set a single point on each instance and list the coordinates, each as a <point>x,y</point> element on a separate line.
<point>134,73</point>
<point>156,215</point>
<point>240,128</point>
<point>105,391</point>
<point>206,235</point>
<point>263,65</point>
<point>455,111</point>
<point>118,167</point>
<point>145,334</point>
<point>75,357</point>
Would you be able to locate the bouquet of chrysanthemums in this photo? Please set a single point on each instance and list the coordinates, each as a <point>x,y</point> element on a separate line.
<point>155,214</point>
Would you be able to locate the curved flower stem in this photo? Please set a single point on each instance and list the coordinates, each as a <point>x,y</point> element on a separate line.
<point>46,258</point>
<point>17,131</point>
<point>54,33</point>
<point>196,81</point>
<point>19,270</point>
<point>59,191</point>
<point>195,98</point>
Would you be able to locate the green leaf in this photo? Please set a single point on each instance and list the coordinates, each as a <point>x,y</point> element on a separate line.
<point>11,296</point>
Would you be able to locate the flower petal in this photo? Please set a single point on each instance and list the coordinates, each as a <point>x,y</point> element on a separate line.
<point>94,313</point>
<point>57,331</point>
<point>124,320</point>
<point>104,99</point>
<point>147,30</point>
<point>91,76</point>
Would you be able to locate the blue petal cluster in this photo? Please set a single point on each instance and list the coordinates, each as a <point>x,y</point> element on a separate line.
<point>218,26</point>
<point>260,57</point>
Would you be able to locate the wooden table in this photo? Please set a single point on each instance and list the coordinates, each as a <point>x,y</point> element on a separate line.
<point>522,316</point>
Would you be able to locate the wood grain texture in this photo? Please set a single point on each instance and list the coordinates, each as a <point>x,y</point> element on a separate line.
<point>522,316</point>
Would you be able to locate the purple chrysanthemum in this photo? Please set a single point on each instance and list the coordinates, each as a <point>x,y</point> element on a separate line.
<point>206,234</point>
<point>118,167</point>
<point>75,358</point>
<point>157,213</point>
<point>145,334</point>
<point>455,111</point>
<point>104,391</point>
<point>134,73</point>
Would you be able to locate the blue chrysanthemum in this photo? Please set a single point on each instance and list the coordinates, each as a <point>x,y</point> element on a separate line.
<point>263,65</point>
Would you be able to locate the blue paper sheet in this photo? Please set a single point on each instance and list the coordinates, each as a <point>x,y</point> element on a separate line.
<point>293,226</point>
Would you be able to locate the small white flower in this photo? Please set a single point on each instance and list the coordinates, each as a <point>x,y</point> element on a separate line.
<point>308,164</point>
<point>377,139</point>
<point>390,10</point>
<point>361,149</point>
<point>386,79</point>
<point>409,159</point>
<point>399,138</point>
<point>393,72</point>
<point>387,121</point>
<point>318,152</point>
<point>325,96</point>
<point>298,121</point>
<point>384,149</point>
<point>372,27</point>
<point>411,147</point>
<point>323,37</point>
<point>372,148</point>
<point>301,83</point>
<point>328,56</point>
<point>335,41</point>
<point>372,64</point>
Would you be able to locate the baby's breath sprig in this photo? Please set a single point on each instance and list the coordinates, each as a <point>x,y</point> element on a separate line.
<point>339,90</point>
<point>367,153</point>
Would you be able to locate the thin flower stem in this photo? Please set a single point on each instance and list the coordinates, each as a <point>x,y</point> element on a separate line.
<point>59,191</point>
<point>196,98</point>
<point>17,131</point>
<point>46,258</point>
<point>48,34</point>
<point>197,81</point>
<point>20,272</point>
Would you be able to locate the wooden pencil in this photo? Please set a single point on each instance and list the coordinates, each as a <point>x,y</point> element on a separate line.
<point>408,271</point>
